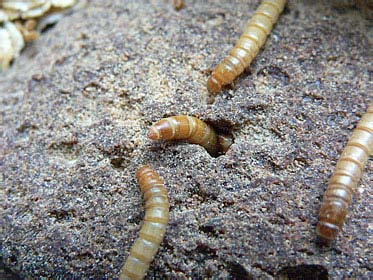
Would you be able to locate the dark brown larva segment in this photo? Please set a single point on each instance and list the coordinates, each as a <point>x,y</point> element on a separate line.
<point>343,182</point>
<point>247,47</point>
<point>154,227</point>
<point>190,129</point>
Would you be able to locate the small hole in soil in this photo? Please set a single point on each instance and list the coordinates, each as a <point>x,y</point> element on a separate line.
<point>237,271</point>
<point>117,162</point>
<point>304,271</point>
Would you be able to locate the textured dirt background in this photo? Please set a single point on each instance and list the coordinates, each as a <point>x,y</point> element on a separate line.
<point>76,106</point>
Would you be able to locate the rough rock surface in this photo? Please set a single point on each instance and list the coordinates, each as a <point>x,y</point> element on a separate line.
<point>76,106</point>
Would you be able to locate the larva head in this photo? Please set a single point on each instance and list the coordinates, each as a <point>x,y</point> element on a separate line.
<point>142,170</point>
<point>326,232</point>
<point>164,129</point>
<point>213,85</point>
<point>154,133</point>
<point>145,176</point>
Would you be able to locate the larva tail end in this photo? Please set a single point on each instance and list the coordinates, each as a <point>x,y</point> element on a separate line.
<point>326,232</point>
<point>213,85</point>
<point>154,134</point>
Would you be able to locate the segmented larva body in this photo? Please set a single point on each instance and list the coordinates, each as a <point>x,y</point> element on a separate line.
<point>343,182</point>
<point>154,227</point>
<point>247,47</point>
<point>190,129</point>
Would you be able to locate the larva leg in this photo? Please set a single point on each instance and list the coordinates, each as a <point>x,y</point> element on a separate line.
<point>191,129</point>
<point>154,227</point>
<point>343,182</point>
<point>247,47</point>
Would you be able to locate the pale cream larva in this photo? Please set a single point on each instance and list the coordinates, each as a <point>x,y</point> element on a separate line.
<point>154,227</point>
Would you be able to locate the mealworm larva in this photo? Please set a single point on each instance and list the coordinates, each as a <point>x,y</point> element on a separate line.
<point>338,195</point>
<point>178,4</point>
<point>154,227</point>
<point>191,129</point>
<point>247,47</point>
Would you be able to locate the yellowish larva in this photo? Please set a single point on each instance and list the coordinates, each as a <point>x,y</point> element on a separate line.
<point>192,130</point>
<point>247,47</point>
<point>342,184</point>
<point>154,227</point>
